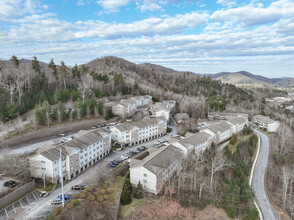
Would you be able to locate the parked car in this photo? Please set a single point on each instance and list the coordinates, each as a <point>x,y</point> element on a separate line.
<point>9,183</point>
<point>66,197</point>
<point>119,160</point>
<point>133,152</point>
<point>114,162</point>
<point>56,201</point>
<point>78,187</point>
<point>93,127</point>
<point>123,157</point>
<point>118,149</point>
<point>139,149</point>
<point>128,155</point>
<point>62,135</point>
<point>43,193</point>
<point>143,148</point>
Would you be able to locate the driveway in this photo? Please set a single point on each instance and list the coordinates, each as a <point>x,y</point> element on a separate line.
<point>259,178</point>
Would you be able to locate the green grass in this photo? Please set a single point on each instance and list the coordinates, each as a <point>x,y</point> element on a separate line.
<point>48,187</point>
<point>126,210</point>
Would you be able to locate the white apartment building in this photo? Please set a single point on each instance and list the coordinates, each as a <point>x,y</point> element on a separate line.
<point>198,142</point>
<point>155,170</point>
<point>225,115</point>
<point>264,122</point>
<point>220,131</point>
<point>160,110</point>
<point>119,109</point>
<point>238,123</point>
<point>130,134</point>
<point>169,104</point>
<point>79,154</point>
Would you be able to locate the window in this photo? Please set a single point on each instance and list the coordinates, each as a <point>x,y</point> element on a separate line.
<point>145,175</point>
<point>42,161</point>
<point>145,181</point>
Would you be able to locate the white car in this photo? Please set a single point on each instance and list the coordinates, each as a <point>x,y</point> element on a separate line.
<point>123,157</point>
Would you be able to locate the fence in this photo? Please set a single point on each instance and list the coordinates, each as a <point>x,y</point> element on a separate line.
<point>16,194</point>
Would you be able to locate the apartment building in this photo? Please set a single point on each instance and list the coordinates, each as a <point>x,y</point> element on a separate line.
<point>220,131</point>
<point>264,122</point>
<point>130,134</point>
<point>155,170</point>
<point>225,115</point>
<point>238,123</point>
<point>128,107</point>
<point>198,142</point>
<point>77,155</point>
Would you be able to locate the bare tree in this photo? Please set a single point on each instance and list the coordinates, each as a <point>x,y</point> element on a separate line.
<point>34,120</point>
<point>17,166</point>
<point>85,86</point>
<point>78,113</point>
<point>286,180</point>
<point>96,112</point>
<point>46,107</point>
<point>216,163</point>
<point>88,111</point>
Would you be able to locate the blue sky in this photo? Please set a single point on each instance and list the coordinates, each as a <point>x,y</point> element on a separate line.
<point>202,36</point>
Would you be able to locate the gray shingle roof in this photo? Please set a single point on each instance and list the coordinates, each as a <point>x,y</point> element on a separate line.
<point>220,127</point>
<point>159,159</point>
<point>195,139</point>
<point>238,120</point>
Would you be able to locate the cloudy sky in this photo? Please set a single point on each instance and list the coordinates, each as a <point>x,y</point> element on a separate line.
<point>203,36</point>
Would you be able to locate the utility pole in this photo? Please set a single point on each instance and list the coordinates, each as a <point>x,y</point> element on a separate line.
<point>61,177</point>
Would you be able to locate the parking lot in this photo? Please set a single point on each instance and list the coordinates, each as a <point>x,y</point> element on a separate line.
<point>11,211</point>
<point>40,208</point>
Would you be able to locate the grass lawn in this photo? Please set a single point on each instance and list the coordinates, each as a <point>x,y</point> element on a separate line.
<point>126,210</point>
<point>48,187</point>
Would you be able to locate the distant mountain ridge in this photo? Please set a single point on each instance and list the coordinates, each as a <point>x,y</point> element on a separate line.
<point>244,77</point>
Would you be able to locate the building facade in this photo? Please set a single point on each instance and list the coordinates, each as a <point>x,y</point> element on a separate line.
<point>155,170</point>
<point>130,134</point>
<point>77,155</point>
<point>264,122</point>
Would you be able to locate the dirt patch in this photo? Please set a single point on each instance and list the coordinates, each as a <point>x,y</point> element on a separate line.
<point>52,131</point>
<point>171,209</point>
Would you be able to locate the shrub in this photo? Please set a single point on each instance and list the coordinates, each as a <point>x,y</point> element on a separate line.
<point>76,196</point>
<point>102,191</point>
<point>109,191</point>
<point>91,197</point>
<point>83,195</point>
<point>100,199</point>
<point>233,139</point>
<point>76,202</point>
<point>105,197</point>
<point>55,211</point>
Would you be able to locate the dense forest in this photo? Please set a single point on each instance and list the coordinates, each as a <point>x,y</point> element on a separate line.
<point>62,92</point>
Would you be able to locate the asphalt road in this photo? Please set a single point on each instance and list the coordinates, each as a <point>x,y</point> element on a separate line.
<point>258,182</point>
<point>41,208</point>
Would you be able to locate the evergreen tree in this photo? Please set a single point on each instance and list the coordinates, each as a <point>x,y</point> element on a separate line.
<point>139,194</point>
<point>126,197</point>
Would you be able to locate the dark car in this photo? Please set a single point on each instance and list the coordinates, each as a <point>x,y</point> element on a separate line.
<point>66,197</point>
<point>134,152</point>
<point>114,162</point>
<point>78,187</point>
<point>10,183</point>
<point>139,149</point>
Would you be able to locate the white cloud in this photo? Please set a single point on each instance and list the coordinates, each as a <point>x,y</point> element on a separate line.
<point>150,7</point>
<point>112,5</point>
<point>227,3</point>
<point>16,8</point>
<point>80,3</point>
<point>251,15</point>
<point>146,27</point>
